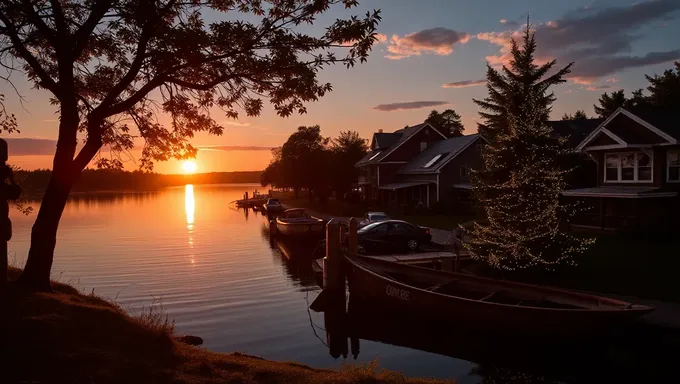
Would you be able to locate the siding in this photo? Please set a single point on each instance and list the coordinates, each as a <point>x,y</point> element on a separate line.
<point>411,147</point>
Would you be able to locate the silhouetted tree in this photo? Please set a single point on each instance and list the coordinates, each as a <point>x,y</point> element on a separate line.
<point>510,88</point>
<point>521,181</point>
<point>115,65</point>
<point>447,122</point>
<point>664,90</point>
<point>305,158</point>
<point>347,149</point>
<point>610,103</point>
<point>8,123</point>
<point>578,115</point>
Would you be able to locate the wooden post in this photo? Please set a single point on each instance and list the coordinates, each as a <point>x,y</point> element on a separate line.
<point>353,242</point>
<point>333,277</point>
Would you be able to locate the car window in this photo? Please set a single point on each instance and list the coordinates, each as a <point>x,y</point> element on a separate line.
<point>400,227</point>
<point>380,228</point>
<point>378,217</point>
<point>369,227</point>
<point>274,201</point>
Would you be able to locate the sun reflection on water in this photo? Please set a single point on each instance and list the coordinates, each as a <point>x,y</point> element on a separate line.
<point>190,208</point>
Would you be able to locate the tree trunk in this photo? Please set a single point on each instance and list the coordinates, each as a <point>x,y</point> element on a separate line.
<point>36,274</point>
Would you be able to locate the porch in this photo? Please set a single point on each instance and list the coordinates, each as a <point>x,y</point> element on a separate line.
<point>621,207</point>
<point>408,194</point>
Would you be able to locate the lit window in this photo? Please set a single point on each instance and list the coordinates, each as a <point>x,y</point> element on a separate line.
<point>628,167</point>
<point>673,163</point>
<point>423,145</point>
<point>374,156</point>
<point>434,160</point>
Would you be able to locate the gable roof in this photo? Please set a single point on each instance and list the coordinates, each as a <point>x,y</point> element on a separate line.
<point>385,140</point>
<point>575,130</point>
<point>450,148</point>
<point>661,122</point>
<point>401,135</point>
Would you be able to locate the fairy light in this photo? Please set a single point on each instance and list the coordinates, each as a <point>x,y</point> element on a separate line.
<point>519,187</point>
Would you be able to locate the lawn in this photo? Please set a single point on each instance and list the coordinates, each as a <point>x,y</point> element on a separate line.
<point>642,266</point>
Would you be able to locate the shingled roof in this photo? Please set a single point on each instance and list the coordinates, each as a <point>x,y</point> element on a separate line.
<point>448,148</point>
<point>398,137</point>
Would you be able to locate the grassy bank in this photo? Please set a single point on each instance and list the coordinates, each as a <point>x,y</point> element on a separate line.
<point>70,337</point>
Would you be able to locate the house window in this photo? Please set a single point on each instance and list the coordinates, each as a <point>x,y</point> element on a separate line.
<point>464,172</point>
<point>433,160</point>
<point>628,167</point>
<point>673,158</point>
<point>423,145</point>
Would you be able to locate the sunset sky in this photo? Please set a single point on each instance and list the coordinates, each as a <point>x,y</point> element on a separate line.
<point>431,55</point>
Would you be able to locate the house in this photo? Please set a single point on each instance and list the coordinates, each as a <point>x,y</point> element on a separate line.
<point>637,158</point>
<point>418,165</point>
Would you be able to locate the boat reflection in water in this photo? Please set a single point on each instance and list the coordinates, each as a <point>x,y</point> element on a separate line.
<point>638,355</point>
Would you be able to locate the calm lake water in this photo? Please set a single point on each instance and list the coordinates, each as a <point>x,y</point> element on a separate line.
<point>218,276</point>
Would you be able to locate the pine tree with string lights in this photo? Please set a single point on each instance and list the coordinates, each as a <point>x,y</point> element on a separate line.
<point>522,179</point>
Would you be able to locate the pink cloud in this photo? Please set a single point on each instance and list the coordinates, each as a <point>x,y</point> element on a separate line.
<point>438,41</point>
<point>464,83</point>
<point>613,80</point>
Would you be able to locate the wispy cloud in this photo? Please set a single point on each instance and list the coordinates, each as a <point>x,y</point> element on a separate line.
<point>464,83</point>
<point>595,87</point>
<point>408,105</point>
<point>227,148</point>
<point>599,39</point>
<point>235,123</point>
<point>30,146</point>
<point>438,41</point>
<point>613,80</point>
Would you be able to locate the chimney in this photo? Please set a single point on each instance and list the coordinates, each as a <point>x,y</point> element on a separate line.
<point>380,130</point>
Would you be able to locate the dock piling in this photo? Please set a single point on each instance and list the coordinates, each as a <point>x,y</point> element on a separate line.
<point>333,276</point>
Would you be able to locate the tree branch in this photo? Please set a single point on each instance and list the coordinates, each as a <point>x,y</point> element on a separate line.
<point>45,79</point>
<point>46,31</point>
<point>82,35</point>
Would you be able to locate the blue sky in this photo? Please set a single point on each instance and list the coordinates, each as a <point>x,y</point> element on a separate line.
<point>426,44</point>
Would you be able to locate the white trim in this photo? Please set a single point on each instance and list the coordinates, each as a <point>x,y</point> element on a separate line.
<point>428,195</point>
<point>433,160</point>
<point>600,128</point>
<point>453,155</point>
<point>667,137</point>
<point>619,169</point>
<point>668,166</point>
<point>621,195</point>
<point>613,136</point>
<point>413,134</point>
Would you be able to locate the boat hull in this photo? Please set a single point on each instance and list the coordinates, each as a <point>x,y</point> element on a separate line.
<point>300,229</point>
<point>367,284</point>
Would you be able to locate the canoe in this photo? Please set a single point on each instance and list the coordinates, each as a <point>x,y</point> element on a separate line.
<point>482,302</point>
<point>297,222</point>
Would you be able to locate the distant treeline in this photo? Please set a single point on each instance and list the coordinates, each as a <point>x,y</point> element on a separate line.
<point>97,180</point>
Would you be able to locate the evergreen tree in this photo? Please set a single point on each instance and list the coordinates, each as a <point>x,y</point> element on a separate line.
<point>578,115</point>
<point>510,88</point>
<point>664,90</point>
<point>522,179</point>
<point>610,103</point>
<point>447,122</point>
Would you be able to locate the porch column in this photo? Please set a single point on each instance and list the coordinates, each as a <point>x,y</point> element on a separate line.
<point>602,213</point>
<point>428,195</point>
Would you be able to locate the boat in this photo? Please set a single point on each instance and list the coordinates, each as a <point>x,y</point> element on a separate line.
<point>483,302</point>
<point>272,206</point>
<point>297,222</point>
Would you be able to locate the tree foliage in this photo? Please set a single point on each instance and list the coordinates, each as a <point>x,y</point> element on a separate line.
<point>578,115</point>
<point>347,149</point>
<point>664,90</point>
<point>447,122</point>
<point>510,87</point>
<point>307,160</point>
<point>522,179</point>
<point>610,103</point>
<point>125,71</point>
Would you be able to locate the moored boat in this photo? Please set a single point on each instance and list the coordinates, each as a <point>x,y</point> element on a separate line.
<point>297,222</point>
<point>483,302</point>
<point>272,206</point>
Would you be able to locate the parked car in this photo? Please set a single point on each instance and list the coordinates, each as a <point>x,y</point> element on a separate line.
<point>392,236</point>
<point>272,206</point>
<point>372,217</point>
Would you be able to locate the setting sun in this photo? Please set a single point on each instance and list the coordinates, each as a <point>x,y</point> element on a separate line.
<point>189,166</point>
